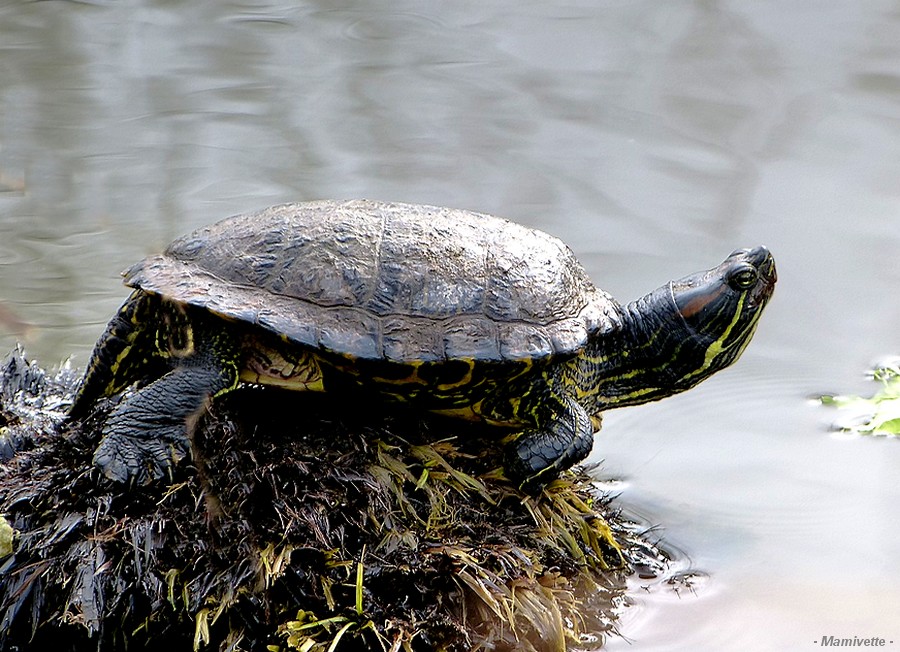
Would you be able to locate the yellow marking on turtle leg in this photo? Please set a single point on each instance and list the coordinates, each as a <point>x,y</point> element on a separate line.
<point>473,413</point>
<point>175,336</point>
<point>465,380</point>
<point>235,377</point>
<point>116,364</point>
<point>467,413</point>
<point>410,379</point>
<point>132,312</point>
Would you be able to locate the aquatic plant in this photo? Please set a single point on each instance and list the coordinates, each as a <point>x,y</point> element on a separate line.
<point>878,414</point>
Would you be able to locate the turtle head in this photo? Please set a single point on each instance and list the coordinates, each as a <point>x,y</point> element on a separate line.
<point>689,329</point>
<point>720,308</point>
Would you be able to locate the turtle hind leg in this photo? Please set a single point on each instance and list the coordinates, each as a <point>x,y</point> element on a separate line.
<point>120,356</point>
<point>149,431</point>
<point>562,435</point>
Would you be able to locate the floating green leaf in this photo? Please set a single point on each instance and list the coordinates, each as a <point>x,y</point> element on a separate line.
<point>878,415</point>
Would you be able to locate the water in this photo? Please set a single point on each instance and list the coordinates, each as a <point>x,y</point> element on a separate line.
<point>652,137</point>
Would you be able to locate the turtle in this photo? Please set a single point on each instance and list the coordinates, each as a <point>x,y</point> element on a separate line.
<point>452,311</point>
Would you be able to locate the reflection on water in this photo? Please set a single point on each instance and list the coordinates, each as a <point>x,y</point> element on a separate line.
<point>653,137</point>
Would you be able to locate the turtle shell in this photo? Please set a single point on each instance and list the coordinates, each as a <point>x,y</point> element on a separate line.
<point>386,281</point>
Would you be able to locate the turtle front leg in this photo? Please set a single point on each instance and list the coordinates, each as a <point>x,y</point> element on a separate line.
<point>560,434</point>
<point>149,431</point>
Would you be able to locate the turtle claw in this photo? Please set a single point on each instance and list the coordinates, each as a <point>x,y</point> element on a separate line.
<point>124,457</point>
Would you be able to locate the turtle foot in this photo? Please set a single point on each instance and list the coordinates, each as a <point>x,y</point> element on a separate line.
<point>533,461</point>
<point>537,456</point>
<point>147,433</point>
<point>126,457</point>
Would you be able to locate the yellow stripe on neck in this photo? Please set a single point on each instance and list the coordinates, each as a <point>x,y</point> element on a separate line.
<point>714,349</point>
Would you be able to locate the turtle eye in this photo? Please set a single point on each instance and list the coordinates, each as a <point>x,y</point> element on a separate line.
<point>743,278</point>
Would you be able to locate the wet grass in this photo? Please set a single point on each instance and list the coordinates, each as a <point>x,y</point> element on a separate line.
<point>293,529</point>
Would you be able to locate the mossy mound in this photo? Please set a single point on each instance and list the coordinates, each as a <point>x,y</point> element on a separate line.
<point>303,522</point>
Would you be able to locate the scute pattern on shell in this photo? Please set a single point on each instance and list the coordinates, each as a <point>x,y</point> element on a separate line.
<point>389,281</point>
